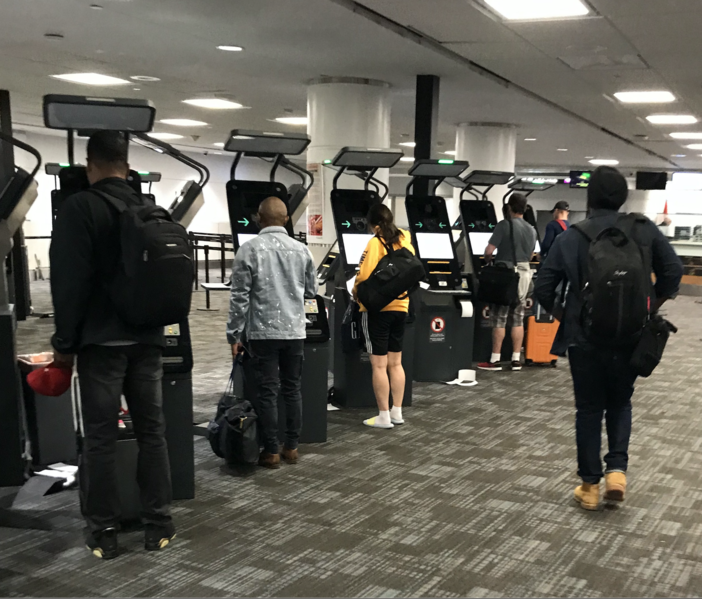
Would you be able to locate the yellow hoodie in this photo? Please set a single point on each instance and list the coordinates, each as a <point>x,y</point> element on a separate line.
<point>373,254</point>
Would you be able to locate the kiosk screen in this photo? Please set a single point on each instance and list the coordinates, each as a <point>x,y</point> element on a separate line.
<point>244,237</point>
<point>354,246</point>
<point>479,241</point>
<point>435,246</point>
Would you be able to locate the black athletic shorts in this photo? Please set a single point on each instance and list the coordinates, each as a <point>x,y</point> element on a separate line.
<point>383,331</point>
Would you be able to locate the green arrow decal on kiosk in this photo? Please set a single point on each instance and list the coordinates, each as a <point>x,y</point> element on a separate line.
<point>244,222</point>
<point>472,225</point>
<point>347,224</point>
<point>441,225</point>
<point>491,226</point>
<point>420,225</point>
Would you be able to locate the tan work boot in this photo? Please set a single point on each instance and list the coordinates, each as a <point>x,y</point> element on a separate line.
<point>269,460</point>
<point>615,486</point>
<point>290,455</point>
<point>588,496</point>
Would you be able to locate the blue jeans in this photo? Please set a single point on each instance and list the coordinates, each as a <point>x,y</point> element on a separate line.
<point>603,385</point>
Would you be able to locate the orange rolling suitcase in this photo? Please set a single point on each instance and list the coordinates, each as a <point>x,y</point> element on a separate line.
<point>540,334</point>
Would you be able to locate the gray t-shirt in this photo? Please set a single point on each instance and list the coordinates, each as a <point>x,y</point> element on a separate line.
<point>524,240</point>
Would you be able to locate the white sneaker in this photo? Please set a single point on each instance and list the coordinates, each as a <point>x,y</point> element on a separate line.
<point>373,423</point>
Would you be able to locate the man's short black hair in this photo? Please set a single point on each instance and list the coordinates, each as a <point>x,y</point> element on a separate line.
<point>108,148</point>
<point>607,189</point>
<point>517,203</point>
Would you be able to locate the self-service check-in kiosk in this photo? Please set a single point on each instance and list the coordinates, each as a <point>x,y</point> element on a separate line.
<point>444,319</point>
<point>244,199</point>
<point>134,118</point>
<point>353,387</point>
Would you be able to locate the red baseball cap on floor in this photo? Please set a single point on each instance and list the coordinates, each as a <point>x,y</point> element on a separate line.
<point>50,381</point>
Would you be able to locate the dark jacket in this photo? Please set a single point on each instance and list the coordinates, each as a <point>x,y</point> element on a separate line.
<point>563,266</point>
<point>553,230</point>
<point>84,254</point>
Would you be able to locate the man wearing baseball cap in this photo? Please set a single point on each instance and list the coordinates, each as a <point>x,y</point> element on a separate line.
<point>558,225</point>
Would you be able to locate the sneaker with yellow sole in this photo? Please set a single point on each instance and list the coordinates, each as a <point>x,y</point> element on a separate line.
<point>588,496</point>
<point>615,486</point>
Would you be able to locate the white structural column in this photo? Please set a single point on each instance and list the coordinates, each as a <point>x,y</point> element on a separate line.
<point>342,111</point>
<point>488,147</point>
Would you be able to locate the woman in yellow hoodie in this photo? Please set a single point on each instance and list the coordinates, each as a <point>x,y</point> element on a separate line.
<point>384,330</point>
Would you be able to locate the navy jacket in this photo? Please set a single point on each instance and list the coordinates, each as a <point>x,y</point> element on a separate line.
<point>553,230</point>
<point>562,267</point>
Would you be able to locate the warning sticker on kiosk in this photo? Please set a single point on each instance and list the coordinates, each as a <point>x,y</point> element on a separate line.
<point>438,326</point>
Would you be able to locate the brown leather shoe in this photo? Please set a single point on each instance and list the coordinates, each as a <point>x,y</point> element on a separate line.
<point>269,460</point>
<point>290,455</point>
<point>615,486</point>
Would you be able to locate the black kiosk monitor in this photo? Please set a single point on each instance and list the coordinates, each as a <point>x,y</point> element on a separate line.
<point>444,325</point>
<point>353,385</point>
<point>244,199</point>
<point>134,118</point>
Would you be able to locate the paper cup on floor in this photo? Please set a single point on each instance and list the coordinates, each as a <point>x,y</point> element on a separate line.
<point>466,378</point>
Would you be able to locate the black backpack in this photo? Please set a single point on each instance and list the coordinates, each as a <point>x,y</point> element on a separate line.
<point>397,274</point>
<point>616,283</point>
<point>153,284</point>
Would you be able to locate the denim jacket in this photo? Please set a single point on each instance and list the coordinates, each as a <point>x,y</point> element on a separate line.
<point>272,276</point>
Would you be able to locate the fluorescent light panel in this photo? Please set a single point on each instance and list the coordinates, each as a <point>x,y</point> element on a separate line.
<point>183,123</point>
<point>165,136</point>
<point>694,147</point>
<point>292,120</point>
<point>671,119</point>
<point>450,153</point>
<point>230,48</point>
<point>219,144</point>
<point>409,144</point>
<point>524,10</point>
<point>650,97</point>
<point>687,135</point>
<point>91,79</point>
<point>529,139</point>
<point>604,162</point>
<point>407,159</point>
<point>213,103</point>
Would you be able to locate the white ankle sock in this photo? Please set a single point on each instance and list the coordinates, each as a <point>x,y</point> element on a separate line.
<point>495,358</point>
<point>396,413</point>
<point>383,417</point>
<point>516,357</point>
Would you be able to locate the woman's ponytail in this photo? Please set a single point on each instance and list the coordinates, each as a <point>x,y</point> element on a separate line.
<point>381,216</point>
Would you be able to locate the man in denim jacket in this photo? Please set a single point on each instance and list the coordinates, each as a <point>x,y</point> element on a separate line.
<point>272,276</point>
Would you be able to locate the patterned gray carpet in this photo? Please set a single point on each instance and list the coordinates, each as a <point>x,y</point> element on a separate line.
<point>471,498</point>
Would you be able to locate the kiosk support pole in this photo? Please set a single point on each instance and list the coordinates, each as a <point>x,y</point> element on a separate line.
<point>426,124</point>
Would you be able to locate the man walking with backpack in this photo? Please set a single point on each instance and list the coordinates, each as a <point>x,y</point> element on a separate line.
<point>607,263</point>
<point>114,357</point>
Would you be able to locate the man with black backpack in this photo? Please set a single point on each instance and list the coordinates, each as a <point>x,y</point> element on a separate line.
<point>94,236</point>
<point>606,263</point>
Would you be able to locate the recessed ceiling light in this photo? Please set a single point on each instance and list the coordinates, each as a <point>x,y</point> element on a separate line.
<point>292,120</point>
<point>91,79</point>
<point>165,136</point>
<point>604,162</point>
<point>450,153</point>
<point>213,103</point>
<point>529,139</point>
<point>144,78</point>
<point>406,159</point>
<point>409,144</point>
<point>656,97</point>
<point>538,9</point>
<point>219,144</point>
<point>694,147</point>
<point>562,149</point>
<point>183,122</point>
<point>230,48</point>
<point>687,135</point>
<point>589,157</point>
<point>671,119</point>
<point>678,155</point>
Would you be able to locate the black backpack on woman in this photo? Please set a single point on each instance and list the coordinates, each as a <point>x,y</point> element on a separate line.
<point>397,274</point>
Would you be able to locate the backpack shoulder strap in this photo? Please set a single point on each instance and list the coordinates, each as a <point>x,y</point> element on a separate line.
<point>116,203</point>
<point>388,248</point>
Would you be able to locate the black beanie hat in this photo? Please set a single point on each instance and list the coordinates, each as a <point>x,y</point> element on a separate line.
<point>607,189</point>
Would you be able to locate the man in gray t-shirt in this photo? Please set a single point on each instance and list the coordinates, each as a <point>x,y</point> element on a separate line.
<point>505,252</point>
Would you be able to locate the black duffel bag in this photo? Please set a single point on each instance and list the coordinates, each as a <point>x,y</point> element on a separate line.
<point>649,351</point>
<point>499,284</point>
<point>233,434</point>
<point>397,274</point>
